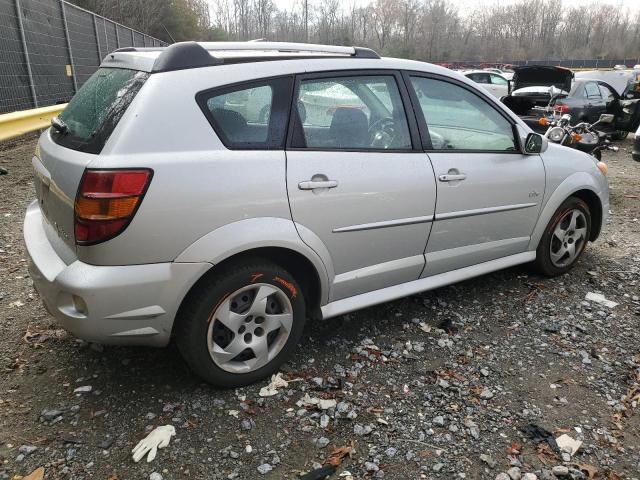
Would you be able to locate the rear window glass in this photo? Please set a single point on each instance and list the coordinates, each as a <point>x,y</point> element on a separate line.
<point>96,109</point>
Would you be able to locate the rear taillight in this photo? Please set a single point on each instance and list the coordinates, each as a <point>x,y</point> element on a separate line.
<point>106,202</point>
<point>561,108</point>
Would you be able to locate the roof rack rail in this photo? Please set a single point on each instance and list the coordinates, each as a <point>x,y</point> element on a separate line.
<point>287,47</point>
<point>182,55</point>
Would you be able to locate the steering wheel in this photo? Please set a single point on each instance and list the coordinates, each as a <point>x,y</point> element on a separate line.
<point>383,133</point>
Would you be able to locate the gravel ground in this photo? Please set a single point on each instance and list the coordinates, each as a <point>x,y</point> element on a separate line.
<point>469,381</point>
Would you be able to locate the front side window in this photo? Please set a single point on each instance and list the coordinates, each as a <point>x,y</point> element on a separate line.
<point>360,112</point>
<point>458,119</point>
<point>498,80</point>
<point>479,77</point>
<point>251,116</point>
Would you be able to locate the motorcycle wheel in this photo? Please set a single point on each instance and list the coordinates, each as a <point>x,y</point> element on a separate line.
<point>620,135</point>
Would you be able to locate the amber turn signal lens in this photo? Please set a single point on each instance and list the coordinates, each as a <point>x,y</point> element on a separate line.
<point>105,208</point>
<point>106,202</point>
<point>543,121</point>
<point>576,137</point>
<point>603,168</point>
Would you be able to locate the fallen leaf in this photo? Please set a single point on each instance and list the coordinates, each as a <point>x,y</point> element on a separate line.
<point>514,449</point>
<point>192,424</point>
<point>590,470</point>
<point>38,337</point>
<point>37,474</point>
<point>338,454</point>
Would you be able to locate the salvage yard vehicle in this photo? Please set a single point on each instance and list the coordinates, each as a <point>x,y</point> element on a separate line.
<point>584,99</point>
<point>536,85</point>
<point>163,212</point>
<point>494,82</point>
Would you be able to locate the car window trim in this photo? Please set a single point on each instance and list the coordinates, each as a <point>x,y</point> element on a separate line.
<point>293,123</point>
<point>278,102</point>
<point>423,127</point>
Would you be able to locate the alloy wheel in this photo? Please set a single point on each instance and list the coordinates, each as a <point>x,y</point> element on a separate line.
<point>569,238</point>
<point>249,328</point>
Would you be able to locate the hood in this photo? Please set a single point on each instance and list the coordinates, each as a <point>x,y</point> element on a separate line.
<point>541,76</point>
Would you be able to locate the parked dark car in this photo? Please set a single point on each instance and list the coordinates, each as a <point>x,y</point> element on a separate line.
<point>584,99</point>
<point>534,86</point>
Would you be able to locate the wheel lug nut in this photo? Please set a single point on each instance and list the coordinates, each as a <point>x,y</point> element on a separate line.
<point>247,338</point>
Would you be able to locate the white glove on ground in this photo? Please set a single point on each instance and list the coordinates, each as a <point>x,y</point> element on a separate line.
<point>158,438</point>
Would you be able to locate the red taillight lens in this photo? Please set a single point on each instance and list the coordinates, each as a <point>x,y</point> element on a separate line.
<point>107,201</point>
<point>561,108</point>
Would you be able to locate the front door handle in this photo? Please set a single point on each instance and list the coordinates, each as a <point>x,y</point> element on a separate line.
<point>452,177</point>
<point>313,184</point>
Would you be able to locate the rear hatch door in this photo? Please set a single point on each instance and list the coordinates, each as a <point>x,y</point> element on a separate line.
<point>75,139</point>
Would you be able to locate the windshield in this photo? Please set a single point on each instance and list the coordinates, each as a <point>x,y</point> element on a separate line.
<point>95,110</point>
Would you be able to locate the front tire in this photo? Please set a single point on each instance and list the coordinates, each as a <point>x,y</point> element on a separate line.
<point>564,239</point>
<point>241,323</point>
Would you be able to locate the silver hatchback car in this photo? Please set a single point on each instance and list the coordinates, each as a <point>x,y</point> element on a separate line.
<point>223,193</point>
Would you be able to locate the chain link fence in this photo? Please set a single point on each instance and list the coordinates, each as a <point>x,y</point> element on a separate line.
<point>588,63</point>
<point>49,48</point>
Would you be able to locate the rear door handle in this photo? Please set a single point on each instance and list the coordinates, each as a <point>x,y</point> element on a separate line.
<point>452,177</point>
<point>313,184</point>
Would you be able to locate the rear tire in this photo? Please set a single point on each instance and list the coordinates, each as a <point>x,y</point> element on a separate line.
<point>564,239</point>
<point>241,323</point>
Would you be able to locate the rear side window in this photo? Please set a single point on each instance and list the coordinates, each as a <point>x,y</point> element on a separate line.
<point>96,109</point>
<point>249,116</point>
<point>359,112</point>
<point>592,90</point>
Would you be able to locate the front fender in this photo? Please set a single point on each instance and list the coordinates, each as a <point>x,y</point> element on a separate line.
<point>572,184</point>
<point>252,233</point>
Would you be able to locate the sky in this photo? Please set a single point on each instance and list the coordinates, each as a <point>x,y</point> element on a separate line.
<point>282,4</point>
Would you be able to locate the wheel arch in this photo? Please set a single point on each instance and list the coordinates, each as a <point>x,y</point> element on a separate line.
<point>595,208</point>
<point>273,239</point>
<point>583,186</point>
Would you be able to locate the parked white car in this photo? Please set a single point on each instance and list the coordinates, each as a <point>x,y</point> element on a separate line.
<point>508,74</point>
<point>495,83</point>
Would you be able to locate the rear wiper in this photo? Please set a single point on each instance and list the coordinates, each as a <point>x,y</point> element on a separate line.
<point>59,125</point>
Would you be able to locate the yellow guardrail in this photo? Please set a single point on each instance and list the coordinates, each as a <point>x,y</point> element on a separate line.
<point>14,124</point>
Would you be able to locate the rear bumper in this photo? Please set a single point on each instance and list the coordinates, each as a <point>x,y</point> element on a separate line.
<point>125,305</point>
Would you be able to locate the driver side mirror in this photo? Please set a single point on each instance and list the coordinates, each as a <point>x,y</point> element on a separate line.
<point>534,144</point>
<point>606,118</point>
